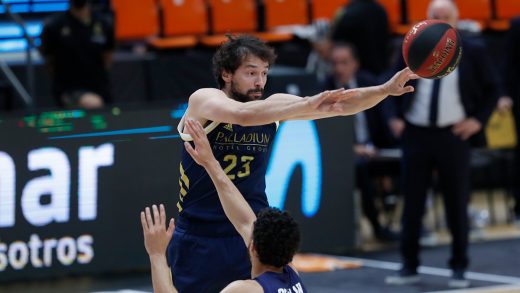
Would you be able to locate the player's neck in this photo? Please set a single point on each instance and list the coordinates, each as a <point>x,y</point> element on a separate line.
<point>228,92</point>
<point>258,268</point>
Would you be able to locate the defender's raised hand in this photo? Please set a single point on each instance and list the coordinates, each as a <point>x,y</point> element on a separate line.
<point>156,236</point>
<point>202,153</point>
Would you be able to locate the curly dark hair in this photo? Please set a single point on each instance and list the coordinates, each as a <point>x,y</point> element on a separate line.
<point>276,237</point>
<point>232,53</point>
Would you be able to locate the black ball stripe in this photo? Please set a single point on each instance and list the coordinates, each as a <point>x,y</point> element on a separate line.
<point>424,43</point>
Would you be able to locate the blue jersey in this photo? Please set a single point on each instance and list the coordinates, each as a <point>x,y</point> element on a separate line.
<point>286,282</point>
<point>243,154</point>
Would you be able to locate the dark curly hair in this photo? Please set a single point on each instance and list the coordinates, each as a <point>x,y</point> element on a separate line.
<point>276,237</point>
<point>232,53</point>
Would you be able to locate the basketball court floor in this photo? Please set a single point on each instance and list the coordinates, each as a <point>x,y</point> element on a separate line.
<point>495,267</point>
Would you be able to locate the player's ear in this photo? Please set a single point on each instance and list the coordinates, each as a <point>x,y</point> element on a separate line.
<point>226,76</point>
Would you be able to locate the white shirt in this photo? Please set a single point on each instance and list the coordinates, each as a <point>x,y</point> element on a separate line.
<point>450,110</point>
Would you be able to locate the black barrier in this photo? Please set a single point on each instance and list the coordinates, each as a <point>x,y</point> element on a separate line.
<point>72,185</point>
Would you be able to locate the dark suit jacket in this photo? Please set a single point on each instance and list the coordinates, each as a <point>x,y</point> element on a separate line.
<point>478,83</point>
<point>380,134</point>
<point>364,23</point>
<point>512,56</point>
<point>512,67</point>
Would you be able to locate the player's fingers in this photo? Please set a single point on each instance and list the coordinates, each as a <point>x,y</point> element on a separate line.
<point>162,215</point>
<point>171,227</point>
<point>336,93</point>
<point>190,124</point>
<point>148,217</point>
<point>350,93</point>
<point>406,71</point>
<point>323,96</point>
<point>413,76</point>
<point>196,131</point>
<point>409,89</point>
<point>199,127</point>
<point>405,74</point>
<point>156,218</point>
<point>189,128</point>
<point>190,149</point>
<point>143,222</point>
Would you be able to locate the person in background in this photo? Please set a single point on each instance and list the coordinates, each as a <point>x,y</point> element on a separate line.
<point>370,130</point>
<point>77,46</point>
<point>438,124</point>
<point>512,100</point>
<point>364,23</point>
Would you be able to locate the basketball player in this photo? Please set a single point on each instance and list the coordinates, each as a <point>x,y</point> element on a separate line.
<point>272,239</point>
<point>206,253</point>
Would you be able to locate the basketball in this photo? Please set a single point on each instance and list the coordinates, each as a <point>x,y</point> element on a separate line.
<point>432,49</point>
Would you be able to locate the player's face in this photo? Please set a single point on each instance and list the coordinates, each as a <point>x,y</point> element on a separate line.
<point>344,65</point>
<point>248,81</point>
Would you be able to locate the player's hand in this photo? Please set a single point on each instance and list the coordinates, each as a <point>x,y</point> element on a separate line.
<point>202,153</point>
<point>330,101</point>
<point>396,86</point>
<point>466,128</point>
<point>156,236</point>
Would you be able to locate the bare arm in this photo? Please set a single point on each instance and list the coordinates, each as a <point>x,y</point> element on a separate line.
<point>156,239</point>
<point>365,98</point>
<point>235,206</point>
<point>214,105</point>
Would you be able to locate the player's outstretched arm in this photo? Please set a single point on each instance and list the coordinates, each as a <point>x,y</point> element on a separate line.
<point>235,206</point>
<point>360,99</point>
<point>214,105</point>
<point>368,97</point>
<point>156,239</point>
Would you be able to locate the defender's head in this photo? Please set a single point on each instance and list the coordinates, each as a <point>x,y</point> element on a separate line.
<point>276,237</point>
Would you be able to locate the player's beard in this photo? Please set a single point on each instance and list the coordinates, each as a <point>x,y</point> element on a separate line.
<point>238,96</point>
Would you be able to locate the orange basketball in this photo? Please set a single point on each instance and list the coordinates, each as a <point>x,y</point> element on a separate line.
<point>432,49</point>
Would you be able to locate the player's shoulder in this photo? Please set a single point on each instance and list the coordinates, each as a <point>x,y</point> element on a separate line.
<point>205,93</point>
<point>251,286</point>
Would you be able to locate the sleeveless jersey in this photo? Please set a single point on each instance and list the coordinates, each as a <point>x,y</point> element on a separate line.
<point>286,282</point>
<point>243,154</point>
